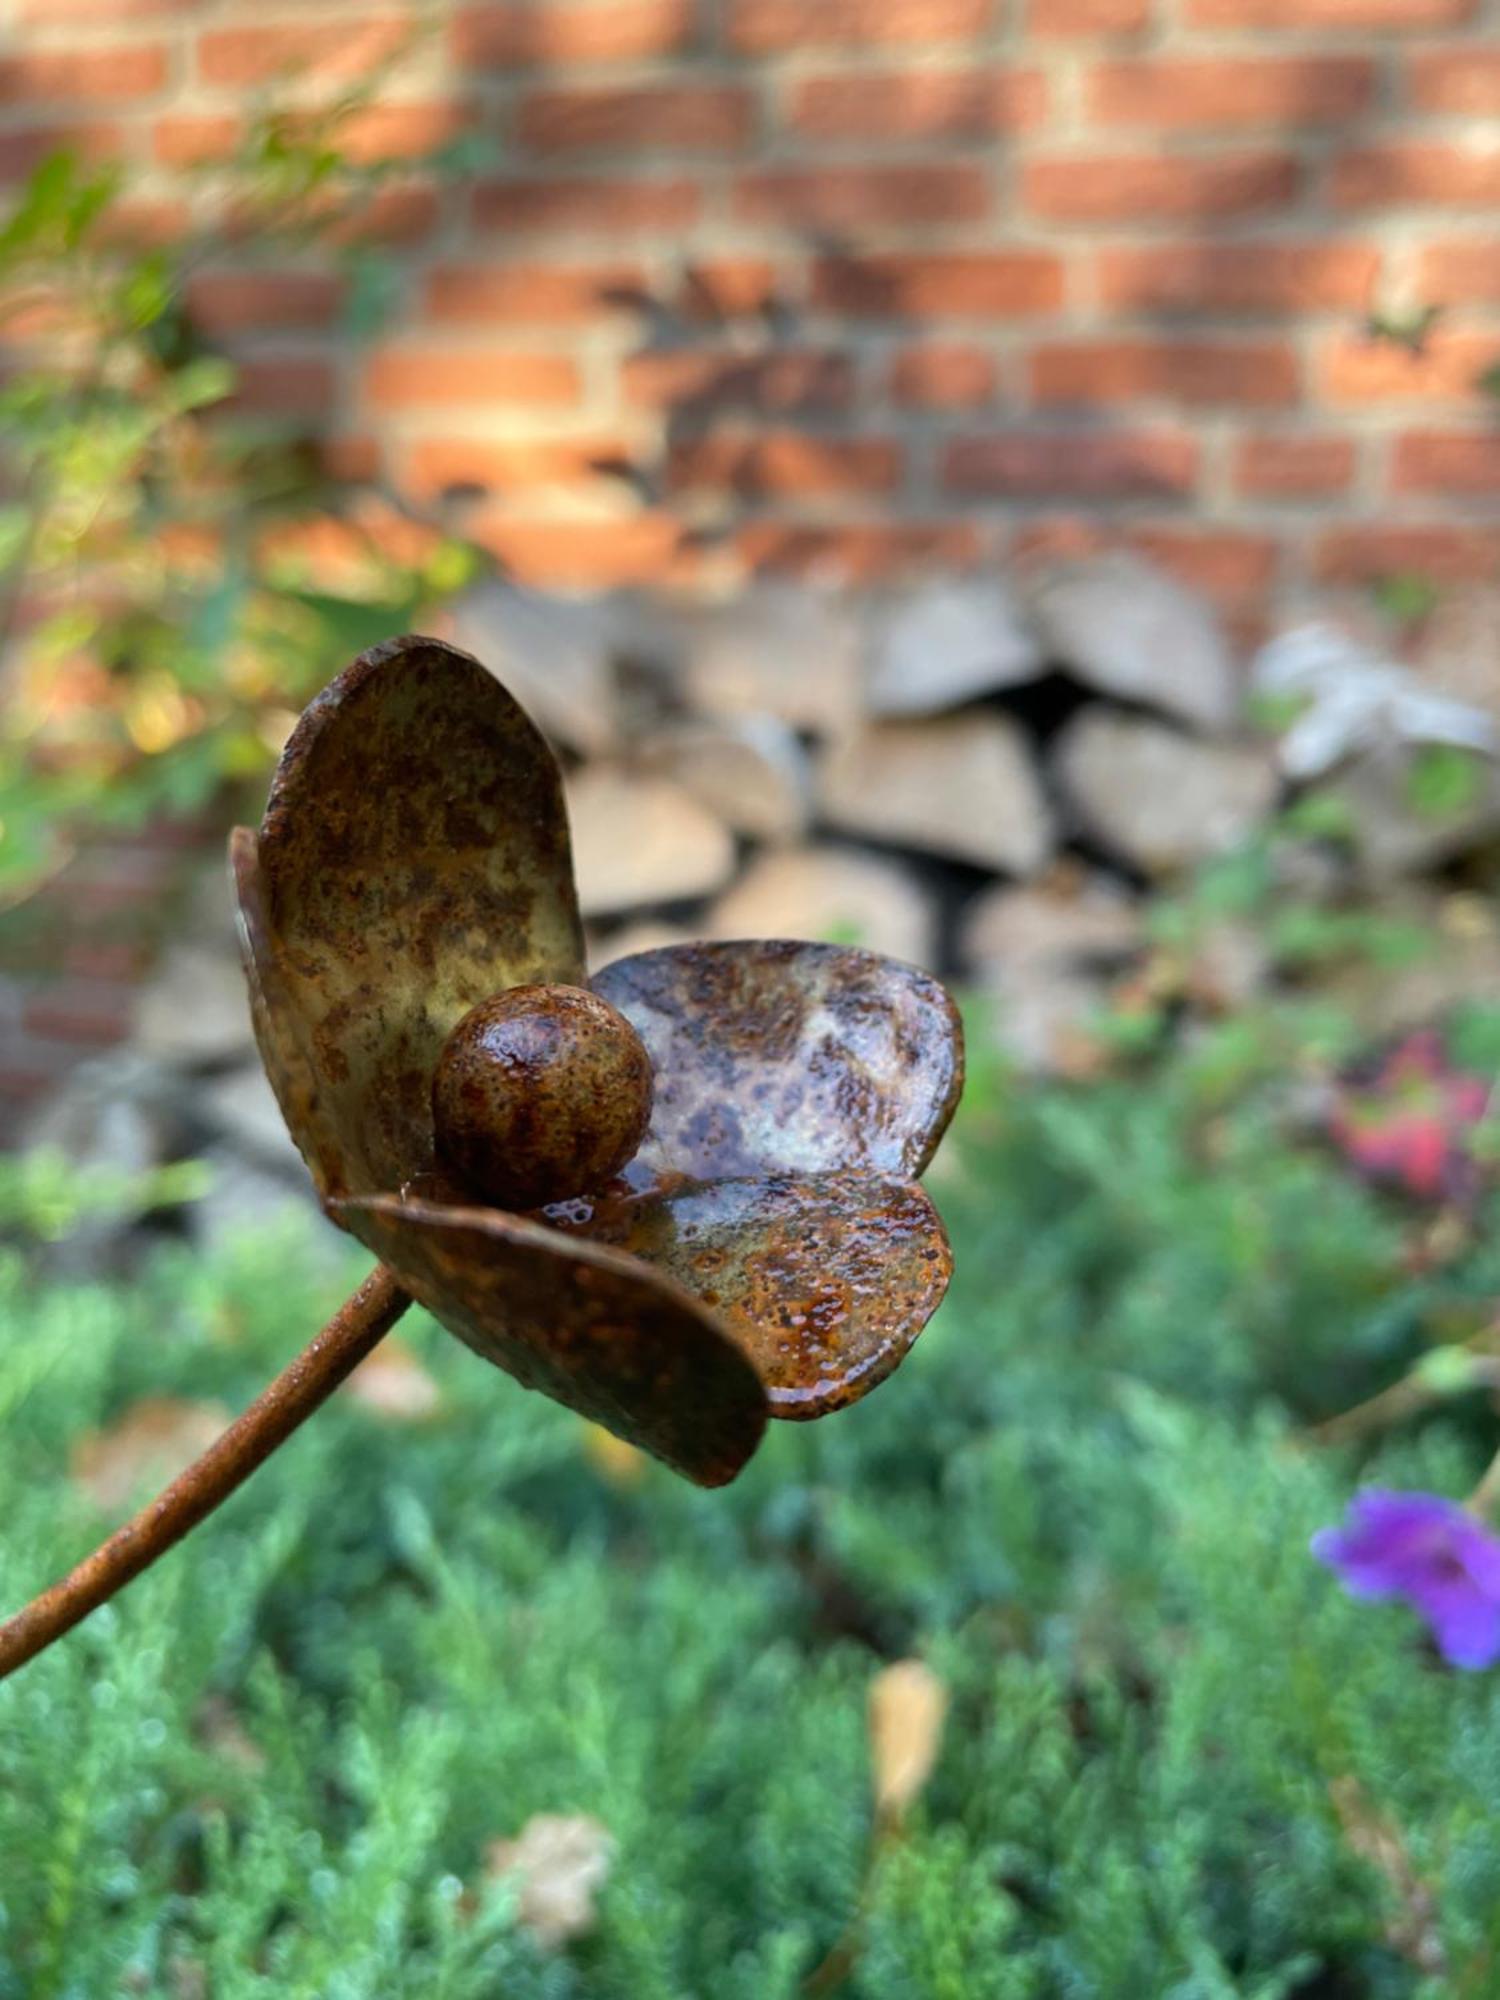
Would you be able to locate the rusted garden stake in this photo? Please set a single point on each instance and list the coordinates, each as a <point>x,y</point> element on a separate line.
<point>680,1197</point>
<point>359,1325</point>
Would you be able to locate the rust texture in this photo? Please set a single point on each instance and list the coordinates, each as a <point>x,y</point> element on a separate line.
<point>302,1387</point>
<point>541,1092</point>
<point>825,1282</point>
<point>800,1058</point>
<point>764,1252</point>
<point>414,860</point>
<point>613,1339</point>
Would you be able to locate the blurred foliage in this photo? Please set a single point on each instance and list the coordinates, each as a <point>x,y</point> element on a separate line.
<point>176,577</point>
<point>1178,1762</point>
<point>45,1197</point>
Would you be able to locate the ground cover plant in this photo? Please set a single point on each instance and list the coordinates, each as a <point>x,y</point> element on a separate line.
<point>1177,1760</point>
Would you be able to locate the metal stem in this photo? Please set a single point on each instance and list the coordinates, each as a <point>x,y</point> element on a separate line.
<point>358,1326</point>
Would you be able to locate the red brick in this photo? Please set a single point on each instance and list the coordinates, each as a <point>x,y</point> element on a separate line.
<point>700,118</point>
<point>1415,173</point>
<point>531,294</point>
<point>1461,271</point>
<point>521,35</point>
<point>93,75</point>
<point>774,464</point>
<point>998,284</point>
<point>23,150</point>
<point>1450,462</point>
<point>1088,17</point>
<point>1248,277</point>
<point>862,552</point>
<point>434,466</point>
<point>943,377</point>
<point>351,456</point>
<point>603,207</point>
<point>229,302</point>
<point>1465,80</point>
<point>393,215</point>
<point>27,1076</point>
<point>373,134</point>
<point>1072,464</point>
<point>640,548</point>
<point>74,13</point>
<point>919,104</point>
<point>863,197</point>
<point>191,140</point>
<point>1364,554</point>
<point>687,379</point>
<point>715,289</point>
<point>763,27</point>
<point>1389,17</point>
<point>1213,93</point>
<point>92,1012</point>
<point>1151,187</point>
<point>1353,369</point>
<point>285,385</point>
<point>404,131</point>
<point>1228,565</point>
<point>137,222</point>
<point>1255,373</point>
<point>106,958</point>
<point>420,377</point>
<point>346,47</point>
<point>1293,465</point>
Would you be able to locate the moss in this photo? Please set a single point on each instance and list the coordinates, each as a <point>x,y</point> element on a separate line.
<point>1174,1750</point>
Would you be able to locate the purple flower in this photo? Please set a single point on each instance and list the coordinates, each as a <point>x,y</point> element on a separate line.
<point>1433,1553</point>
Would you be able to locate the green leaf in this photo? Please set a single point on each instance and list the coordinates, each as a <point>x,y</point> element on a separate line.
<point>206,380</point>
<point>1406,596</point>
<point>1444,780</point>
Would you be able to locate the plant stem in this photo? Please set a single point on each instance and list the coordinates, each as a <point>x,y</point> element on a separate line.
<point>359,1325</point>
<point>1401,1399</point>
<point>1482,1500</point>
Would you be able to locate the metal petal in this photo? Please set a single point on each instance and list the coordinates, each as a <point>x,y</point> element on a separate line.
<point>281,1033</point>
<point>621,1344</point>
<point>826,1282</point>
<point>799,1058</point>
<point>414,859</point>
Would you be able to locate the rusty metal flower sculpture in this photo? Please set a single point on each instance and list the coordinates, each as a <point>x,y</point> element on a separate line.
<point>680,1198</point>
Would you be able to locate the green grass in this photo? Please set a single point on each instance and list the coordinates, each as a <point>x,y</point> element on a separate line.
<point>1178,1762</point>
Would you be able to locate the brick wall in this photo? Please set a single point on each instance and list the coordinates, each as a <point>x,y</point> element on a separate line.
<point>792,282</point>
<point>840,284</point>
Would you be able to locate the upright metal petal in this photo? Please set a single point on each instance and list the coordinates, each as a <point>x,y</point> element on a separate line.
<point>336,1157</point>
<point>799,1058</point>
<point>414,859</point>
<point>620,1343</point>
<point>825,1282</point>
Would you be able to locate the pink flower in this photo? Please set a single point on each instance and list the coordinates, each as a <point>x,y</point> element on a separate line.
<point>1408,1119</point>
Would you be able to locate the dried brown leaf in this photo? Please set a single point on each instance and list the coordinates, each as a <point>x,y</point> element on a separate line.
<point>149,1445</point>
<point>557,1863</point>
<point>908,1707</point>
<point>392,1383</point>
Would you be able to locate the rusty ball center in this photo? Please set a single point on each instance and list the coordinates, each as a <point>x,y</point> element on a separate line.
<point>541,1093</point>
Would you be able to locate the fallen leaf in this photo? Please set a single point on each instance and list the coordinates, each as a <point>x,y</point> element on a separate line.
<point>144,1449</point>
<point>393,1383</point>
<point>908,1706</point>
<point>558,1863</point>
